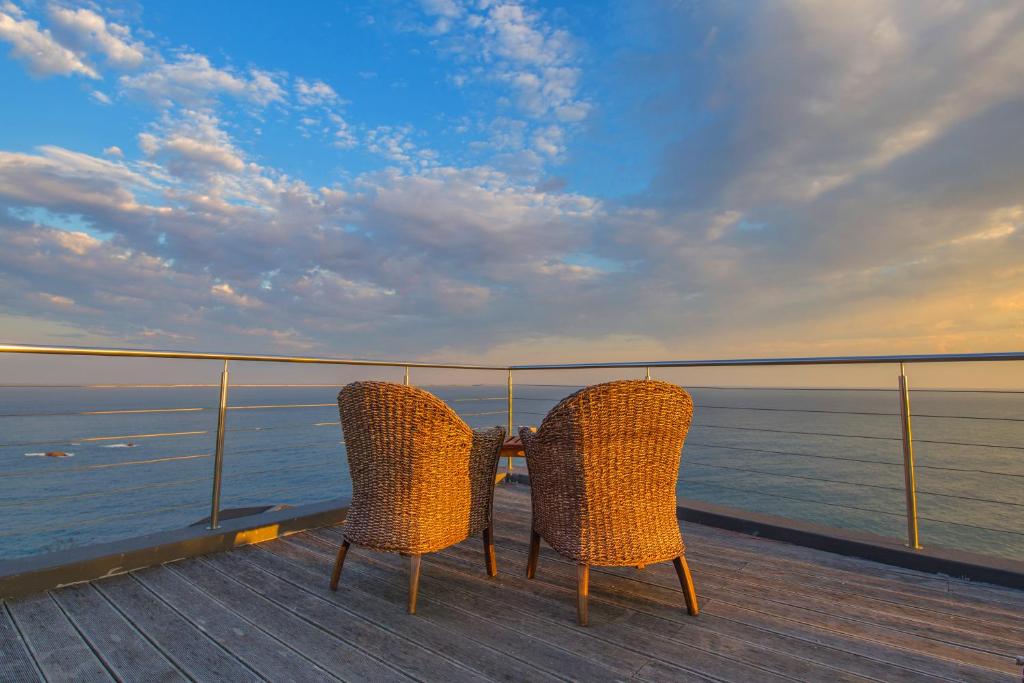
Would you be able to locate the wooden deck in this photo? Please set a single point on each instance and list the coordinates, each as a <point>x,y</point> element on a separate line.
<point>769,612</point>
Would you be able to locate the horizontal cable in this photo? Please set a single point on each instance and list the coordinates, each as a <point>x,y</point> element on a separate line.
<point>157,435</point>
<point>850,507</point>
<point>848,483</point>
<point>91,439</point>
<point>285,405</point>
<point>165,386</point>
<point>971,526</point>
<point>492,412</point>
<point>144,411</point>
<point>95,494</point>
<point>78,440</point>
<point>861,412</point>
<point>796,476</point>
<point>805,455</point>
<point>860,436</point>
<point>725,388</point>
<point>968,443</point>
<point>967,470</point>
<point>970,498</point>
<point>108,412</point>
<point>173,458</point>
<point>970,417</point>
<point>795,410</point>
<point>502,398</point>
<point>98,520</point>
<point>795,498</point>
<point>790,431</point>
<point>102,466</point>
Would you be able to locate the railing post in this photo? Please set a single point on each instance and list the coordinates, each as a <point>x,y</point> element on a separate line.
<point>406,375</point>
<point>909,485</point>
<point>218,456</point>
<point>648,373</point>
<point>509,433</point>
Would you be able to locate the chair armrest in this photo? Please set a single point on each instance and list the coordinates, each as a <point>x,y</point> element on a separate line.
<point>483,465</point>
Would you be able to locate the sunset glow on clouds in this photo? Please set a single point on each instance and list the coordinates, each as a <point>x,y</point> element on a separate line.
<point>512,182</point>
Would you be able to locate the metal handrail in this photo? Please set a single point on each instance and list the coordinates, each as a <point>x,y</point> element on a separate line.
<point>255,358</point>
<point>809,360</point>
<point>903,389</point>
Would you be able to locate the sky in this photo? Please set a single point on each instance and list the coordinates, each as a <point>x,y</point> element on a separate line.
<point>491,181</point>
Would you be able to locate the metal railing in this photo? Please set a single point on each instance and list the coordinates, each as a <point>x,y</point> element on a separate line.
<point>909,489</point>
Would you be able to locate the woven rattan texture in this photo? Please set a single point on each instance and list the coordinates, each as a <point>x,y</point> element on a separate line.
<point>422,480</point>
<point>603,469</point>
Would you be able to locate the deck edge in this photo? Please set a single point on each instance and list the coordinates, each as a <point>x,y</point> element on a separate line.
<point>23,576</point>
<point>957,564</point>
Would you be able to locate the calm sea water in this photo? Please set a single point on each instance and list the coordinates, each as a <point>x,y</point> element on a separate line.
<point>831,457</point>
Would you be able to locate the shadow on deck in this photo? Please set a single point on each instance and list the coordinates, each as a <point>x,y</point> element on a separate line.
<point>769,612</point>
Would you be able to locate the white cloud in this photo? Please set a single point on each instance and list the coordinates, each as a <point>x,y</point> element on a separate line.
<point>226,293</point>
<point>58,300</point>
<point>192,146</point>
<point>100,97</point>
<point>508,43</point>
<point>44,55</point>
<point>193,81</point>
<point>314,93</point>
<point>344,135</point>
<point>85,31</point>
<point>395,144</point>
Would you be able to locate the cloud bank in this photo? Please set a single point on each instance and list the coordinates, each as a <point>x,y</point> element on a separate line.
<point>825,179</point>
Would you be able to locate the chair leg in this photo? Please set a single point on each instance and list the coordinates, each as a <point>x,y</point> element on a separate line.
<point>414,581</point>
<point>338,563</point>
<point>489,560</point>
<point>582,592</point>
<point>686,582</point>
<point>531,562</point>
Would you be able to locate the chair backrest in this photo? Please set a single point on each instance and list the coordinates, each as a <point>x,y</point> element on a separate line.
<point>409,459</point>
<point>609,455</point>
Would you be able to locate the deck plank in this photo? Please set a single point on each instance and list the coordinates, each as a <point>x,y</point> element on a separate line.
<point>377,569</point>
<point>606,622</point>
<point>831,616</point>
<point>189,648</point>
<point>724,548</point>
<point>16,663</point>
<point>59,650</point>
<point>770,612</point>
<point>478,649</point>
<point>289,587</point>
<point>121,647</point>
<point>844,665</point>
<point>273,659</point>
<point>544,658</point>
<point>331,653</point>
<point>916,655</point>
<point>902,612</point>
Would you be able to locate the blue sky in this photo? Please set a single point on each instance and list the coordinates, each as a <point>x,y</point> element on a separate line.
<point>493,180</point>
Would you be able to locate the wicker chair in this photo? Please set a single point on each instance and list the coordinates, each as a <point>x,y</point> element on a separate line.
<point>422,480</point>
<point>603,469</point>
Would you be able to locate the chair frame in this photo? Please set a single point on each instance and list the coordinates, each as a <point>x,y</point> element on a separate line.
<point>402,440</point>
<point>557,455</point>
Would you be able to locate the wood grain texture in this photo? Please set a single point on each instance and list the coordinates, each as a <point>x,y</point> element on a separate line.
<point>769,612</point>
<point>16,664</point>
<point>58,649</point>
<point>119,643</point>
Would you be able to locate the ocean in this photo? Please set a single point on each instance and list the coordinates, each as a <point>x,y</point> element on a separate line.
<point>826,456</point>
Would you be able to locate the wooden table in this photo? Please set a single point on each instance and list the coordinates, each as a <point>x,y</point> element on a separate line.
<point>512,448</point>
